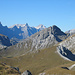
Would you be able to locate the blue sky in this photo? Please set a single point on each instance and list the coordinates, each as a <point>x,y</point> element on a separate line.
<point>35,12</point>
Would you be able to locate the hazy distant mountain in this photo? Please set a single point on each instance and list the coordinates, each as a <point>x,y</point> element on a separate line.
<point>40,40</point>
<point>24,30</point>
<point>40,27</point>
<point>6,31</point>
<point>19,31</point>
<point>71,32</point>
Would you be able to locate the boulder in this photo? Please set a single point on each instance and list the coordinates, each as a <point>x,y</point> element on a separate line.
<point>16,68</point>
<point>27,72</point>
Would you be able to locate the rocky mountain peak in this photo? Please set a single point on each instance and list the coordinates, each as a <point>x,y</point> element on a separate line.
<point>40,27</point>
<point>15,26</point>
<point>55,27</point>
<point>19,25</point>
<point>26,24</point>
<point>66,48</point>
<point>56,31</point>
<point>22,25</point>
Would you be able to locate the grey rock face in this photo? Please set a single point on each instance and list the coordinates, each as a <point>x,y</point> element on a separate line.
<point>67,48</point>
<point>69,43</point>
<point>13,42</point>
<point>27,72</point>
<point>71,32</point>
<point>47,37</point>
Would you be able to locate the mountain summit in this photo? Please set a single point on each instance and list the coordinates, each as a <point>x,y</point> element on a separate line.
<point>40,27</point>
<point>22,30</point>
<point>56,31</point>
<point>19,25</point>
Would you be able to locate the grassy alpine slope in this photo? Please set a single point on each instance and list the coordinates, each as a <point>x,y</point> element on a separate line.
<point>6,70</point>
<point>46,60</point>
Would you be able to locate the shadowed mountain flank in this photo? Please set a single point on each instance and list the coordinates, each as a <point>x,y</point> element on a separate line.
<point>4,41</point>
<point>5,31</point>
<point>66,53</point>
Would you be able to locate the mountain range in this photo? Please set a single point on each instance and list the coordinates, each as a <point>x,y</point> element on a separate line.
<point>43,39</point>
<point>19,31</point>
<point>42,51</point>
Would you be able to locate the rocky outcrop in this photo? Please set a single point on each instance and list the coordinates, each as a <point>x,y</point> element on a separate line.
<point>13,42</point>
<point>66,49</point>
<point>16,68</point>
<point>65,68</point>
<point>27,72</point>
